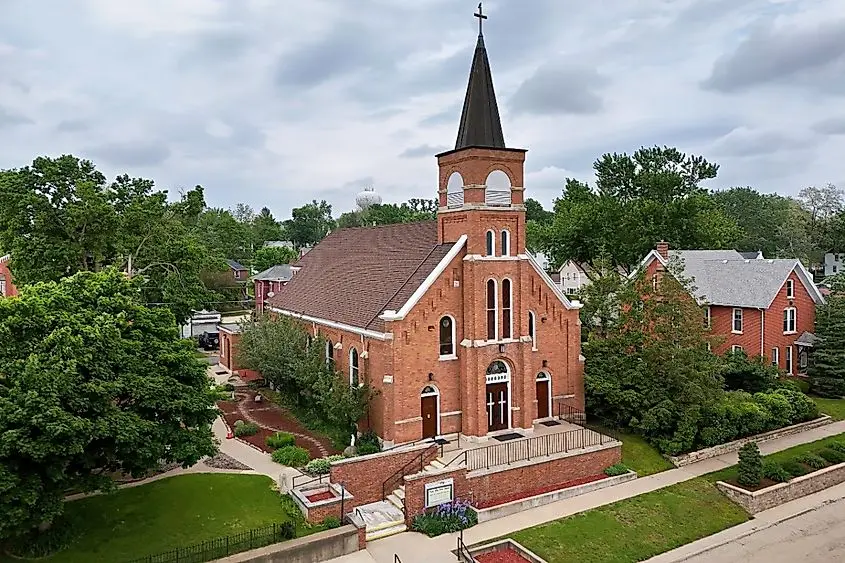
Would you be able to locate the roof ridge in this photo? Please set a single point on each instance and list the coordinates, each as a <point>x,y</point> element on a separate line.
<point>389,225</point>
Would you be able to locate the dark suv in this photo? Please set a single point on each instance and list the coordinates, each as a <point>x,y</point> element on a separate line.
<point>209,340</point>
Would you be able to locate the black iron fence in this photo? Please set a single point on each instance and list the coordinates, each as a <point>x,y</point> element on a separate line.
<point>224,546</point>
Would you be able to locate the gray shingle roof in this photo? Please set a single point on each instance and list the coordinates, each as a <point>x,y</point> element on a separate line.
<point>235,265</point>
<point>723,277</point>
<point>282,272</point>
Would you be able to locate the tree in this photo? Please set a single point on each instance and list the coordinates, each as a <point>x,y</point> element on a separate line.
<point>310,223</point>
<point>93,382</point>
<point>750,466</point>
<point>747,374</point>
<point>60,216</point>
<point>273,256</point>
<point>224,235</point>
<point>760,216</point>
<point>534,212</point>
<point>827,369</point>
<point>654,194</point>
<point>265,228</point>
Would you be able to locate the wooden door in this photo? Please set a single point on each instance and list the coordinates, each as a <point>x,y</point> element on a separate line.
<point>428,410</point>
<point>543,398</point>
<point>498,406</point>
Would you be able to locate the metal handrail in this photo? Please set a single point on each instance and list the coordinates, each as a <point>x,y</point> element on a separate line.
<point>464,554</point>
<point>402,471</point>
<point>311,480</point>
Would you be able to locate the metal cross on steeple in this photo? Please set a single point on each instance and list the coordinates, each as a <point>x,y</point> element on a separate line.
<point>481,17</point>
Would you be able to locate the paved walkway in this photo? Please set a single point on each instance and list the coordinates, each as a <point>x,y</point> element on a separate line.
<point>250,456</point>
<point>417,548</point>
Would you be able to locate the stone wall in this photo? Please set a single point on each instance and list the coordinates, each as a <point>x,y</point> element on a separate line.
<point>310,549</point>
<point>757,501</point>
<point>693,457</point>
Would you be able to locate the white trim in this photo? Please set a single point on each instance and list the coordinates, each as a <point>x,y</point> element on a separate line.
<point>737,348</point>
<point>408,420</point>
<point>510,309</point>
<point>332,324</point>
<point>790,369</point>
<point>806,280</point>
<point>794,320</point>
<point>790,288</point>
<point>4,259</point>
<point>510,398</point>
<point>490,243</point>
<point>450,413</point>
<point>495,310</point>
<point>448,358</point>
<point>357,367</point>
<point>426,284</point>
<point>454,354</point>
<point>649,258</point>
<point>481,258</point>
<point>435,393</point>
<point>776,357</point>
<point>221,328</point>
<point>547,378</point>
<point>549,282</point>
<point>505,236</point>
<point>741,320</point>
<point>709,317</point>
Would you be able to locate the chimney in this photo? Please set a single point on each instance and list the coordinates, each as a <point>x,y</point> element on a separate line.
<point>663,249</point>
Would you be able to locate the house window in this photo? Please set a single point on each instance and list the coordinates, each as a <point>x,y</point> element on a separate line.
<point>329,353</point>
<point>707,317</point>
<point>532,329</point>
<point>354,380</point>
<point>834,268</point>
<point>506,243</point>
<point>507,306</point>
<point>2,285</point>
<point>492,316</point>
<point>789,360</point>
<point>447,337</point>
<point>491,243</point>
<point>737,321</point>
<point>789,315</point>
<point>736,348</point>
<point>776,357</point>
<point>790,289</point>
<point>654,282</point>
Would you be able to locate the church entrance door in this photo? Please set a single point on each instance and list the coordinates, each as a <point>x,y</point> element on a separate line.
<point>543,396</point>
<point>497,406</point>
<point>428,411</point>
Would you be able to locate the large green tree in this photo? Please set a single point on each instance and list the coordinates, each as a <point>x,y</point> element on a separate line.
<point>654,194</point>
<point>60,216</point>
<point>273,256</point>
<point>827,370</point>
<point>761,217</point>
<point>310,223</point>
<point>91,382</point>
<point>265,228</point>
<point>390,214</point>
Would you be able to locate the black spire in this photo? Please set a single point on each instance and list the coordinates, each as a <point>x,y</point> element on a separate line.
<point>480,123</point>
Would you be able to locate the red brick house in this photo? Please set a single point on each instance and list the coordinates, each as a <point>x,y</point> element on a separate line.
<point>452,321</point>
<point>240,273</point>
<point>762,306</point>
<point>268,282</point>
<point>7,287</point>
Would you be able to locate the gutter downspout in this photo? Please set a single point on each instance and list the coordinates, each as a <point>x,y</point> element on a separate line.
<point>762,333</point>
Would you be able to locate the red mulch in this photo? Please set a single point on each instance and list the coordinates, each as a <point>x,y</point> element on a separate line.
<point>501,556</point>
<point>540,491</point>
<point>317,497</point>
<point>764,483</point>
<point>273,416</point>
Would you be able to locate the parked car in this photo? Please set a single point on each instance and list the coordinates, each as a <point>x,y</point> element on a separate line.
<point>209,340</point>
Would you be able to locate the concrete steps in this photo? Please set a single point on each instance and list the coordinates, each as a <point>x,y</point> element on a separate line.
<point>382,519</point>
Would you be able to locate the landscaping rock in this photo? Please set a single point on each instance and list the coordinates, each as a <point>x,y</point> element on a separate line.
<point>350,451</point>
<point>223,461</point>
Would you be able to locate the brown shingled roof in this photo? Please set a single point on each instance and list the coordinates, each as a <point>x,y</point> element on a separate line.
<point>353,275</point>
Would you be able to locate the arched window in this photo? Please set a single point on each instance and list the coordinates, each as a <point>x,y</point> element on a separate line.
<point>447,337</point>
<point>498,188</point>
<point>492,314</point>
<point>491,243</point>
<point>455,190</point>
<point>532,329</point>
<point>506,243</point>
<point>353,368</point>
<point>329,353</point>
<point>507,307</point>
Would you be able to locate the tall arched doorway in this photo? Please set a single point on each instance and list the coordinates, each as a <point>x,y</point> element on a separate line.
<point>544,395</point>
<point>498,396</point>
<point>430,411</point>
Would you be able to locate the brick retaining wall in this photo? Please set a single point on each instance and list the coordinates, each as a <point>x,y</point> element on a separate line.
<point>757,501</point>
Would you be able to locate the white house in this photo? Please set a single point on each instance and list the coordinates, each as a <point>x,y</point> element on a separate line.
<point>833,263</point>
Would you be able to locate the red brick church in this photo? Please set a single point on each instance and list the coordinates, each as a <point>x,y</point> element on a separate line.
<point>452,320</point>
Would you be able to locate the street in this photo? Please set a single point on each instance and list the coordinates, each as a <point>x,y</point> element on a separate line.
<point>815,537</point>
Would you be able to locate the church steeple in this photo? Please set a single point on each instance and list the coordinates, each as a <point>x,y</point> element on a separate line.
<point>480,124</point>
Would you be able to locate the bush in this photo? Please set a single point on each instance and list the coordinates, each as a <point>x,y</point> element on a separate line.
<point>291,456</point>
<point>779,407</point>
<point>775,472</point>
<point>616,469</point>
<point>229,387</point>
<point>828,387</point>
<point>750,465</point>
<point>367,449</point>
<point>838,446</point>
<point>803,407</point>
<point>446,518</point>
<point>813,461</point>
<point>370,439</point>
<point>794,468</point>
<point>288,530</point>
<point>321,466</point>
<point>794,383</point>
<point>331,522</point>
<point>238,423</point>
<point>832,456</point>
<point>280,440</point>
<point>245,429</point>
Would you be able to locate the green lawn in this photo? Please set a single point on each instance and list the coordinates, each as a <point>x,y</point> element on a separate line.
<point>638,454</point>
<point>834,407</point>
<point>174,512</point>
<point>636,528</point>
<point>779,457</point>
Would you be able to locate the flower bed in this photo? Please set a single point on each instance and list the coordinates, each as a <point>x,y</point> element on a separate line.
<point>501,556</point>
<point>541,490</point>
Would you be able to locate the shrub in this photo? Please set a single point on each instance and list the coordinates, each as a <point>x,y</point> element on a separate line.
<point>229,387</point>
<point>238,423</point>
<point>366,449</point>
<point>804,408</point>
<point>616,469</point>
<point>813,461</point>
<point>779,406</point>
<point>829,387</point>
<point>291,456</point>
<point>775,472</point>
<point>750,465</point>
<point>794,383</point>
<point>280,440</point>
<point>321,466</point>
<point>331,522</point>
<point>794,468</point>
<point>369,438</point>
<point>838,446</point>
<point>446,518</point>
<point>832,456</point>
<point>288,530</point>
<point>246,429</point>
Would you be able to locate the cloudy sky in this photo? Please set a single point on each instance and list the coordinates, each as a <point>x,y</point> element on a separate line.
<point>276,102</point>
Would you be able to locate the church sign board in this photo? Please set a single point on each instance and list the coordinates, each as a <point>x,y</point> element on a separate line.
<point>439,492</point>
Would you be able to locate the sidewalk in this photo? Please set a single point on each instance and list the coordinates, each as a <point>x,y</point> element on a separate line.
<point>248,455</point>
<point>417,548</point>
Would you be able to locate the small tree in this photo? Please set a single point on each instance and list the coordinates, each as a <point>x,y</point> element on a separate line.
<point>747,374</point>
<point>750,465</point>
<point>273,256</point>
<point>827,370</point>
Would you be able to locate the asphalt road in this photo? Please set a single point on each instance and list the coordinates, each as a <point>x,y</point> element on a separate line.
<point>814,537</point>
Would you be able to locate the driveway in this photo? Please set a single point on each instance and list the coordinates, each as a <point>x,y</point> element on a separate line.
<point>815,537</point>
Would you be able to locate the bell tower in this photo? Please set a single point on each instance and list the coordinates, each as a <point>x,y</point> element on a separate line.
<point>481,180</point>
